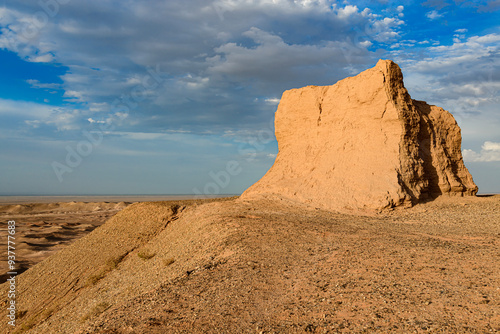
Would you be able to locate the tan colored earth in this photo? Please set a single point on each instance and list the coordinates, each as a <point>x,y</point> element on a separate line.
<point>272,267</point>
<point>44,228</point>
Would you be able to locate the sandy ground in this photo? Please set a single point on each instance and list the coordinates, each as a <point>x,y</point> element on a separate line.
<point>46,224</point>
<point>45,228</point>
<point>265,267</point>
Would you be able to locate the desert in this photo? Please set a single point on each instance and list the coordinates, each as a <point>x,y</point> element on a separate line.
<point>46,227</point>
<point>249,166</point>
<point>234,266</point>
<point>368,222</point>
<point>48,224</point>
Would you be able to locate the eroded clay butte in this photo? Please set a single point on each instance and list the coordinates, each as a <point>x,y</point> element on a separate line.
<point>363,143</point>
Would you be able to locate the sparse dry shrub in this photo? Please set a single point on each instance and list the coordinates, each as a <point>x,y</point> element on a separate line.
<point>96,310</point>
<point>21,314</point>
<point>146,254</point>
<point>168,261</point>
<point>113,262</point>
<point>27,325</point>
<point>93,279</point>
<point>48,313</point>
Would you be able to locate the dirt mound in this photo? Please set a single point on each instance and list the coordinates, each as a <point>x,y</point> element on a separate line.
<point>363,143</point>
<point>121,205</point>
<point>127,256</point>
<point>262,266</point>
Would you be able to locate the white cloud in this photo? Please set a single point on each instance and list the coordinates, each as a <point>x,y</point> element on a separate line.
<point>73,94</point>
<point>110,54</point>
<point>37,84</point>
<point>462,74</point>
<point>195,82</point>
<point>98,107</point>
<point>490,151</point>
<point>273,101</point>
<point>347,11</point>
<point>36,115</point>
<point>385,30</point>
<point>366,44</point>
<point>24,109</point>
<point>91,120</point>
<point>491,146</point>
<point>462,78</point>
<point>400,9</point>
<point>272,59</point>
<point>45,58</point>
<point>60,118</point>
<point>432,15</point>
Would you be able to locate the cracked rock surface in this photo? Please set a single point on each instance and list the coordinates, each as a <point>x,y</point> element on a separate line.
<point>363,144</point>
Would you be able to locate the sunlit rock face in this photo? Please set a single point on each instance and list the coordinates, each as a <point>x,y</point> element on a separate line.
<point>363,143</point>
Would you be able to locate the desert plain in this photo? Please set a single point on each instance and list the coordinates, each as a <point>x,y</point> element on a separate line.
<point>236,266</point>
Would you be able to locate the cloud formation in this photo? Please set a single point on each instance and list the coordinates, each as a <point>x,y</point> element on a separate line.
<point>490,151</point>
<point>221,62</point>
<point>214,71</point>
<point>433,15</point>
<point>216,59</point>
<point>462,77</point>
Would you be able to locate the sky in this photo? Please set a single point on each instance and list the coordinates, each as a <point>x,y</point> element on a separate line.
<point>114,97</point>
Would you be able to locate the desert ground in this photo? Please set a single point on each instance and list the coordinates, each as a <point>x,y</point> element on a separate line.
<point>47,224</point>
<point>45,228</point>
<point>236,266</point>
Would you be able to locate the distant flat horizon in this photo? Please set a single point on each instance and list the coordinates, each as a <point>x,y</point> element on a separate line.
<point>24,199</point>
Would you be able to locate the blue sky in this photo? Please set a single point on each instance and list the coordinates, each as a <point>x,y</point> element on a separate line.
<point>178,97</point>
